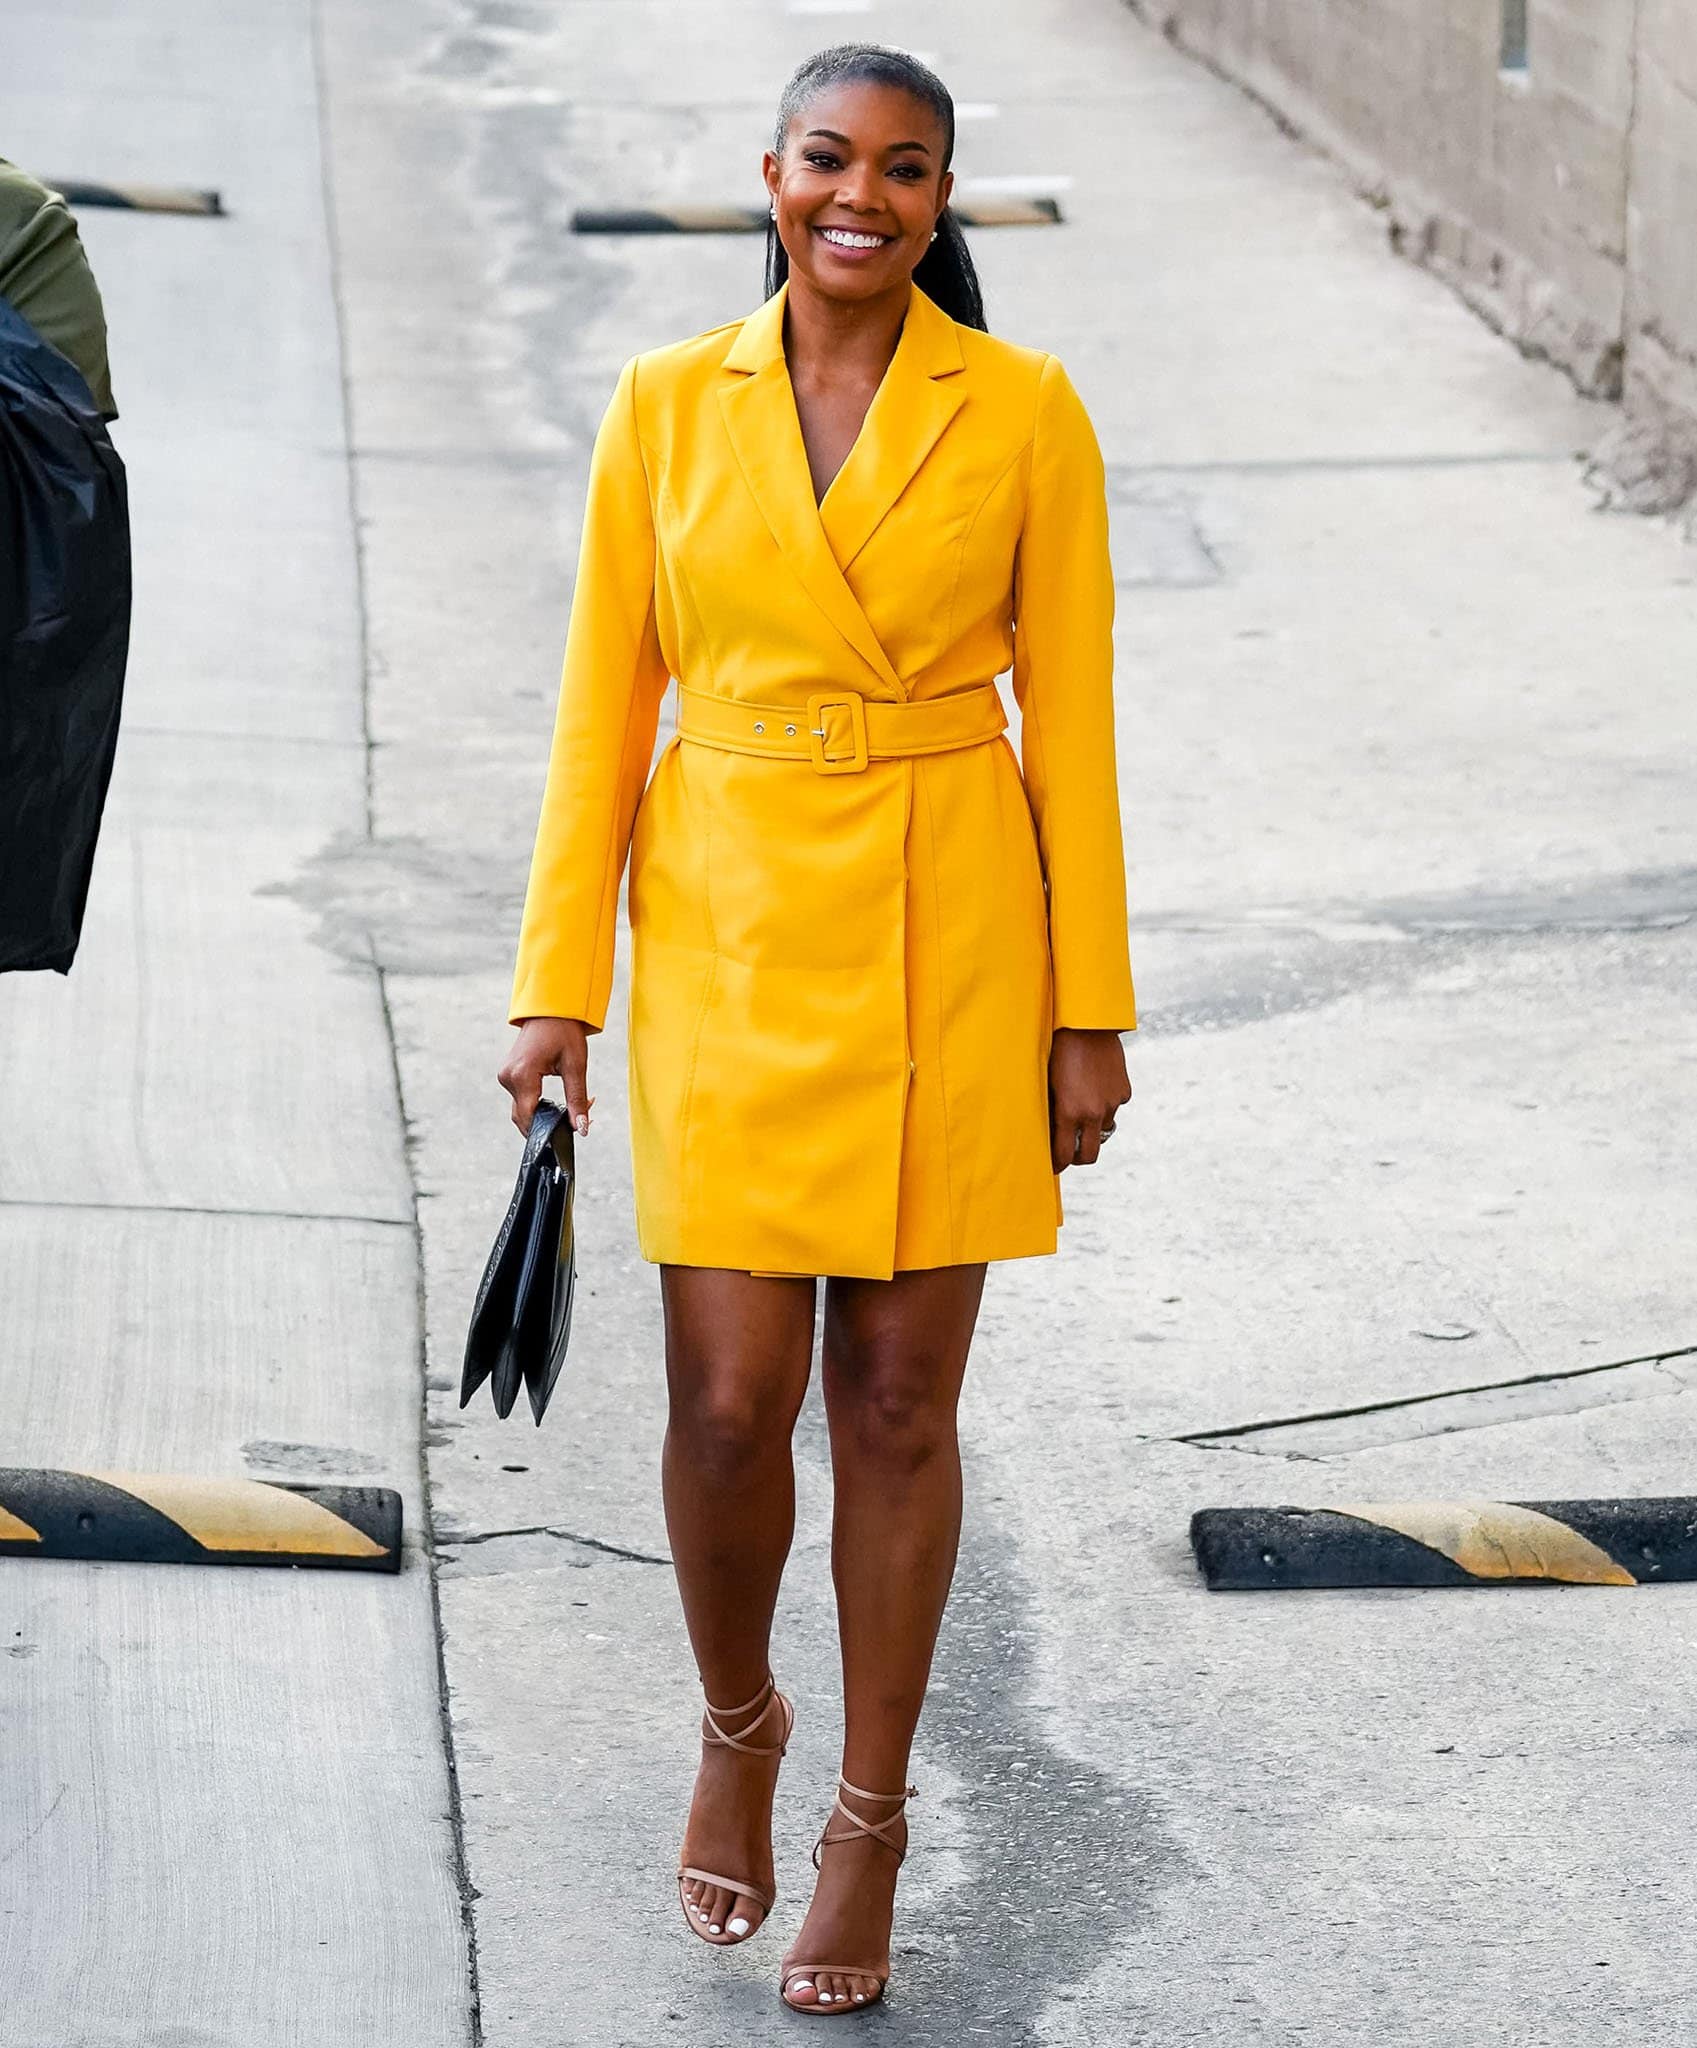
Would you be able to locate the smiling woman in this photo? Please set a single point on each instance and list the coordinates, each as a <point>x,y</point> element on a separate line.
<point>879,963</point>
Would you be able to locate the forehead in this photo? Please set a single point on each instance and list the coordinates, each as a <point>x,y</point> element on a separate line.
<point>869,111</point>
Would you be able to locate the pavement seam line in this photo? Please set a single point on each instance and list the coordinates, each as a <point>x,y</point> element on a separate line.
<point>1324,465</point>
<point>200,1209</point>
<point>460,1869</point>
<point>460,1864</point>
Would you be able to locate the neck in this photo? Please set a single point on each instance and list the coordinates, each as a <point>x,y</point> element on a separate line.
<point>836,341</point>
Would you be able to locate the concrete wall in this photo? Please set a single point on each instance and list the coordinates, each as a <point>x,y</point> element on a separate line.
<point>1661,234</point>
<point>1559,201</point>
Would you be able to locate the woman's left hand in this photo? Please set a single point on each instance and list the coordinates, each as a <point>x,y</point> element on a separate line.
<point>1087,1085</point>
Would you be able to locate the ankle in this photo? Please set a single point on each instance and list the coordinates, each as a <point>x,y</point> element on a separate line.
<point>751,1702</point>
<point>872,1805</point>
<point>758,1725</point>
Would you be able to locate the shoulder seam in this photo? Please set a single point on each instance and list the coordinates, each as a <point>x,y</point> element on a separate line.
<point>643,449</point>
<point>1037,397</point>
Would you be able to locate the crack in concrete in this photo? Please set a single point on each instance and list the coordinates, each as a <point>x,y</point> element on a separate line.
<point>448,1542</point>
<point>1221,1439</point>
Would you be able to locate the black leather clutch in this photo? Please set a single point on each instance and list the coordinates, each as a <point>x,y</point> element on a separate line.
<point>523,1314</point>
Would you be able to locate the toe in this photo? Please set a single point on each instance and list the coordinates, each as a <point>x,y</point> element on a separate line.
<point>745,1915</point>
<point>802,1991</point>
<point>717,1903</point>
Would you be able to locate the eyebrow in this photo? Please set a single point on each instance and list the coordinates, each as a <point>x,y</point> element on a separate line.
<point>832,134</point>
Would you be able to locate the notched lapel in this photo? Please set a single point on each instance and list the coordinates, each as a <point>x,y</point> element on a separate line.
<point>918,397</point>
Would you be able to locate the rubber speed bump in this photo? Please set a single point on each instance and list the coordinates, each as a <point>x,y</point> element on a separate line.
<point>179,1518</point>
<point>1447,1543</point>
<point>1010,212</point>
<point>138,198</point>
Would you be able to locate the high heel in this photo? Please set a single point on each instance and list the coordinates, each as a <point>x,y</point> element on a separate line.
<point>877,1831</point>
<point>717,1737</point>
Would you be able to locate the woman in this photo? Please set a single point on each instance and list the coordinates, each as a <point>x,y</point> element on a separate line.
<point>878,975</point>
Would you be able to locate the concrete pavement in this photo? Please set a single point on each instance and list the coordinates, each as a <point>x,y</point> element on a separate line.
<point>225,1812</point>
<point>1406,773</point>
<point>1406,759</point>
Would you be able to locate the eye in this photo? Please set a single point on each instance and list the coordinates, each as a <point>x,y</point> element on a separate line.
<point>825,159</point>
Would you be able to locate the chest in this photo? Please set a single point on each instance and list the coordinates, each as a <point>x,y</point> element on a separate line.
<point>831,418</point>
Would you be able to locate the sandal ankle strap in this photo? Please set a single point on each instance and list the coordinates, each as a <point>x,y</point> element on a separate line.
<point>875,1830</point>
<point>721,1738</point>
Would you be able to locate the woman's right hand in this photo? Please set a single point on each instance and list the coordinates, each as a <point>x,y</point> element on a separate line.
<point>549,1045</point>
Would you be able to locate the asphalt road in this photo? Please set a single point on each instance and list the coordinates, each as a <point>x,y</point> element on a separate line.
<point>1406,752</point>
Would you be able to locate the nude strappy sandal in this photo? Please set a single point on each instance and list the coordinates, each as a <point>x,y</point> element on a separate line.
<point>878,1830</point>
<point>717,1737</point>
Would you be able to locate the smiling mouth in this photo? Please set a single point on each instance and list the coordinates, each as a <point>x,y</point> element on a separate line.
<point>837,237</point>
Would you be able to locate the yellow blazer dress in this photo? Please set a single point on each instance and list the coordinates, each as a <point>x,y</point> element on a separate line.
<point>855,921</point>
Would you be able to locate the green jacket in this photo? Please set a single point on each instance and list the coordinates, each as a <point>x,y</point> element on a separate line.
<point>44,273</point>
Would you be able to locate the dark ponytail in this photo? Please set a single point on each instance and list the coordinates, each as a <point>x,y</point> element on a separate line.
<point>945,272</point>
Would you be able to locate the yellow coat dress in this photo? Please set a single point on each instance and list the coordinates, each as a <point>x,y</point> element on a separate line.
<point>848,955</point>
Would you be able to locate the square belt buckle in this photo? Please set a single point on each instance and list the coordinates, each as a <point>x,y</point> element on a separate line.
<point>823,763</point>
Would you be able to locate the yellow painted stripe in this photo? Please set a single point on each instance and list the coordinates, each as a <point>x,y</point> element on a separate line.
<point>246,1514</point>
<point>14,1531</point>
<point>709,219</point>
<point>1002,213</point>
<point>1493,1539</point>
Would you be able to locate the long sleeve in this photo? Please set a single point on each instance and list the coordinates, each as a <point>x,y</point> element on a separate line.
<point>611,688</point>
<point>1063,680</point>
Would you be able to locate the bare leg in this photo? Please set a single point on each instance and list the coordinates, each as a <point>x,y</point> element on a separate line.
<point>894,1358</point>
<point>737,1356</point>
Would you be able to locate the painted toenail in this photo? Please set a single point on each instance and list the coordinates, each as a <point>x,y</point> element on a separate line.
<point>860,1998</point>
<point>713,1927</point>
<point>739,1925</point>
<point>824,1998</point>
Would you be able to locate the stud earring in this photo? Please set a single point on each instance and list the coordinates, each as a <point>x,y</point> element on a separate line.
<point>933,234</point>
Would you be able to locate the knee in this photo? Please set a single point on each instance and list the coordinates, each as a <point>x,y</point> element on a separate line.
<point>729,1422</point>
<point>892,1410</point>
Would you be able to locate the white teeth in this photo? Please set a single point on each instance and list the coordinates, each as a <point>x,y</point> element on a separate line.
<point>852,241</point>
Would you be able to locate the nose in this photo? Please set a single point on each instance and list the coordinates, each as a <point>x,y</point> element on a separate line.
<point>853,191</point>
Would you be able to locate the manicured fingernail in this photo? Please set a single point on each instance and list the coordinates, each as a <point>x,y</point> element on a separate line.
<point>583,1127</point>
<point>739,1925</point>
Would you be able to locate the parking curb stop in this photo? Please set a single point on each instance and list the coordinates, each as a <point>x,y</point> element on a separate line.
<point>188,1518</point>
<point>1621,1542</point>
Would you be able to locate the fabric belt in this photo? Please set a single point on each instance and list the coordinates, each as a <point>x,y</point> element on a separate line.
<point>840,731</point>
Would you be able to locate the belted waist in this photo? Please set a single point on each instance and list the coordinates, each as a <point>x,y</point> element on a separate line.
<point>840,731</point>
